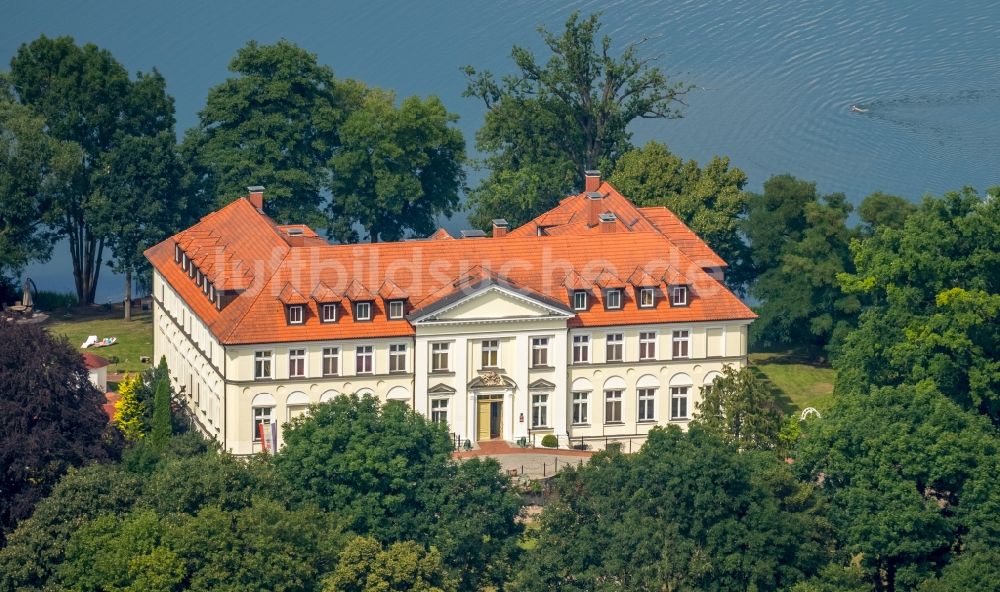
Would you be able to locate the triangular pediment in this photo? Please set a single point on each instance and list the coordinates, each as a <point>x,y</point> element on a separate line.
<point>542,384</point>
<point>441,389</point>
<point>494,302</point>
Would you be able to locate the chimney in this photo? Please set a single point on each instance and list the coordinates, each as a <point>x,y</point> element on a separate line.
<point>256,196</point>
<point>608,222</point>
<point>591,180</point>
<point>500,227</point>
<point>594,204</point>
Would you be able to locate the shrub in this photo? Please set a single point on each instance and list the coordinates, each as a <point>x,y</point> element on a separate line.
<point>45,300</point>
<point>550,441</point>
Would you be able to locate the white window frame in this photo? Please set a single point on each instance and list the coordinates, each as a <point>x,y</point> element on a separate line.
<point>580,300</point>
<point>539,410</point>
<point>613,398</point>
<point>647,297</point>
<point>646,397</point>
<point>489,354</point>
<point>677,394</point>
<point>364,352</point>
<point>260,358</point>
<point>296,314</point>
<point>581,342</point>
<point>580,402</point>
<point>259,415</point>
<point>439,411</point>
<point>298,354</point>
<point>440,348</point>
<point>647,338</point>
<point>676,339</point>
<point>540,346</point>
<point>618,343</point>
<point>367,316</point>
<point>681,291</point>
<point>397,358</point>
<point>396,309</point>
<point>331,353</point>
<point>617,305</point>
<point>328,313</point>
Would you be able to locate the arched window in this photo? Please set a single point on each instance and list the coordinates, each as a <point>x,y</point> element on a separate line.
<point>614,393</point>
<point>328,396</point>
<point>365,392</point>
<point>297,404</point>
<point>262,409</point>
<point>680,393</point>
<point>647,388</point>
<point>398,393</point>
<point>580,399</point>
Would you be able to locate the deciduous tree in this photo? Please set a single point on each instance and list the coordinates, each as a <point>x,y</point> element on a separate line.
<point>911,479</point>
<point>685,512</point>
<point>710,200</point>
<point>86,97</point>
<point>275,123</point>
<point>549,122</point>
<point>34,169</point>
<point>739,407</point>
<point>397,168</point>
<point>53,417</point>
<point>931,289</point>
<point>365,566</point>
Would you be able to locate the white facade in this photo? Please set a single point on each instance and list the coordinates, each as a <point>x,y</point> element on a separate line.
<point>494,363</point>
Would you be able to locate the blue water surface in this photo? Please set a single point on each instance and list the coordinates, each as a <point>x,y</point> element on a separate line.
<point>776,79</point>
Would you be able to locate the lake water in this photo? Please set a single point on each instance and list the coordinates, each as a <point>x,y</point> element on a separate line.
<point>776,78</point>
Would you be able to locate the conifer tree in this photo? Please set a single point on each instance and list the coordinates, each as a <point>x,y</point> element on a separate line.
<point>129,411</point>
<point>162,428</point>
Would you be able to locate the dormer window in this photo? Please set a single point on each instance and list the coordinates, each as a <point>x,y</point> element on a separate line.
<point>328,313</point>
<point>613,299</point>
<point>396,309</point>
<point>295,314</point>
<point>198,277</point>
<point>184,261</point>
<point>647,297</point>
<point>362,311</point>
<point>211,293</point>
<point>679,295</point>
<point>580,300</point>
<point>177,253</point>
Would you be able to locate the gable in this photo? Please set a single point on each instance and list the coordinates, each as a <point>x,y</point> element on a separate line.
<point>495,303</point>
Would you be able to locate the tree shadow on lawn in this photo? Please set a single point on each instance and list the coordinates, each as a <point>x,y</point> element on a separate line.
<point>781,398</point>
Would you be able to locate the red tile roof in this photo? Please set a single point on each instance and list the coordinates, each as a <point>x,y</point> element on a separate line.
<point>93,361</point>
<point>571,217</point>
<point>253,258</point>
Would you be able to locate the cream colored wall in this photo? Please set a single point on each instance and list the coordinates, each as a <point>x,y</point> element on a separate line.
<point>194,358</point>
<point>705,358</point>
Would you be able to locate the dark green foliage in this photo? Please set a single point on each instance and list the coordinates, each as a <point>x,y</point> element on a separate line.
<point>387,472</point>
<point>51,414</point>
<point>162,423</point>
<point>34,168</point>
<point>87,99</point>
<point>553,120</point>
<point>365,566</point>
<point>550,441</point>
<point>686,512</point>
<point>366,462</point>
<point>739,407</point>
<point>799,243</point>
<point>932,286</point>
<point>38,546</point>
<point>709,199</point>
<point>912,479</point>
<point>273,124</point>
<point>397,168</point>
<point>880,209</point>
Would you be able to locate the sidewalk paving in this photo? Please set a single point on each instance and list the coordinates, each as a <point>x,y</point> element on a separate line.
<point>532,463</point>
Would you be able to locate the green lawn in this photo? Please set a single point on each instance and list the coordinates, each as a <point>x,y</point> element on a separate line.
<point>796,384</point>
<point>135,338</point>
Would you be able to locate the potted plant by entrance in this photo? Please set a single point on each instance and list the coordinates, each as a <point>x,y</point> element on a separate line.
<point>550,441</point>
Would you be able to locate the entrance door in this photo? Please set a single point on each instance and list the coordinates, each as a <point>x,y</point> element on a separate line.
<point>496,416</point>
<point>490,416</point>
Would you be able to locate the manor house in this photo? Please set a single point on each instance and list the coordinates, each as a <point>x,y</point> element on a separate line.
<point>593,322</point>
